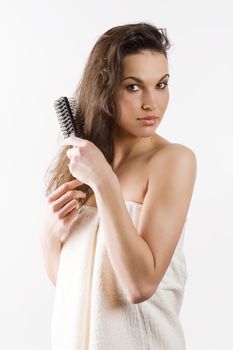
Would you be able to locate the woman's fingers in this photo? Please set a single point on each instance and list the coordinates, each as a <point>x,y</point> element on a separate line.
<point>61,190</point>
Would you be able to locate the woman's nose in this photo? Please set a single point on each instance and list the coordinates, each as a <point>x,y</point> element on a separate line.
<point>149,101</point>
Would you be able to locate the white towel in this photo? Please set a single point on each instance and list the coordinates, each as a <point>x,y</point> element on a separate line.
<point>91,311</point>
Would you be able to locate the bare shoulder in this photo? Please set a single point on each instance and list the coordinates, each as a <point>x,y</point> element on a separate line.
<point>168,151</point>
<point>175,160</point>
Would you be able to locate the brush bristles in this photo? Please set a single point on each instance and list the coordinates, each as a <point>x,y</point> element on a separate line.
<point>73,105</point>
<point>66,110</point>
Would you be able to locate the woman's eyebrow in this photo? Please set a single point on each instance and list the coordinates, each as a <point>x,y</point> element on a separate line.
<point>140,81</point>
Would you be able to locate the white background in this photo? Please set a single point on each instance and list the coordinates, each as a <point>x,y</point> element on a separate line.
<point>44,47</point>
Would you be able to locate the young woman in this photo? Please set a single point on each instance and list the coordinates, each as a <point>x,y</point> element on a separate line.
<point>117,259</point>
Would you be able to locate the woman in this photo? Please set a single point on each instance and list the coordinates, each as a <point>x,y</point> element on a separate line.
<point>117,260</point>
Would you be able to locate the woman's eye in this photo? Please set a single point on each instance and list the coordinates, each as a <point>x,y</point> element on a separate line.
<point>165,84</point>
<point>129,87</point>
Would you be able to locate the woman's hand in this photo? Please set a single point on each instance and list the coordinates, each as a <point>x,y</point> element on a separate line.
<point>61,209</point>
<point>87,162</point>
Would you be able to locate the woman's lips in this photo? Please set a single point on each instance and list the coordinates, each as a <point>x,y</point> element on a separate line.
<point>148,120</point>
<point>148,117</point>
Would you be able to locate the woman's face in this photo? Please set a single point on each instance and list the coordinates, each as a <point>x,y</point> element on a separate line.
<point>144,95</point>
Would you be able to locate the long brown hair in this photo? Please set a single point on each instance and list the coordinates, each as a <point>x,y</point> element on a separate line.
<point>96,91</point>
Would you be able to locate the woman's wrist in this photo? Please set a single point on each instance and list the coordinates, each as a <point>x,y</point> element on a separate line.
<point>106,181</point>
<point>50,239</point>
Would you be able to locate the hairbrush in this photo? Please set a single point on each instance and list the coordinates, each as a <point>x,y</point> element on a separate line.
<point>70,122</point>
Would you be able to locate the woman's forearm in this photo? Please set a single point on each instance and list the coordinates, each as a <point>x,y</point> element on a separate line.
<point>51,248</point>
<point>130,255</point>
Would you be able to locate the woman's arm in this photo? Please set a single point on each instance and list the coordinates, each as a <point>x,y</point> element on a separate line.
<point>60,210</point>
<point>140,259</point>
<point>51,248</point>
